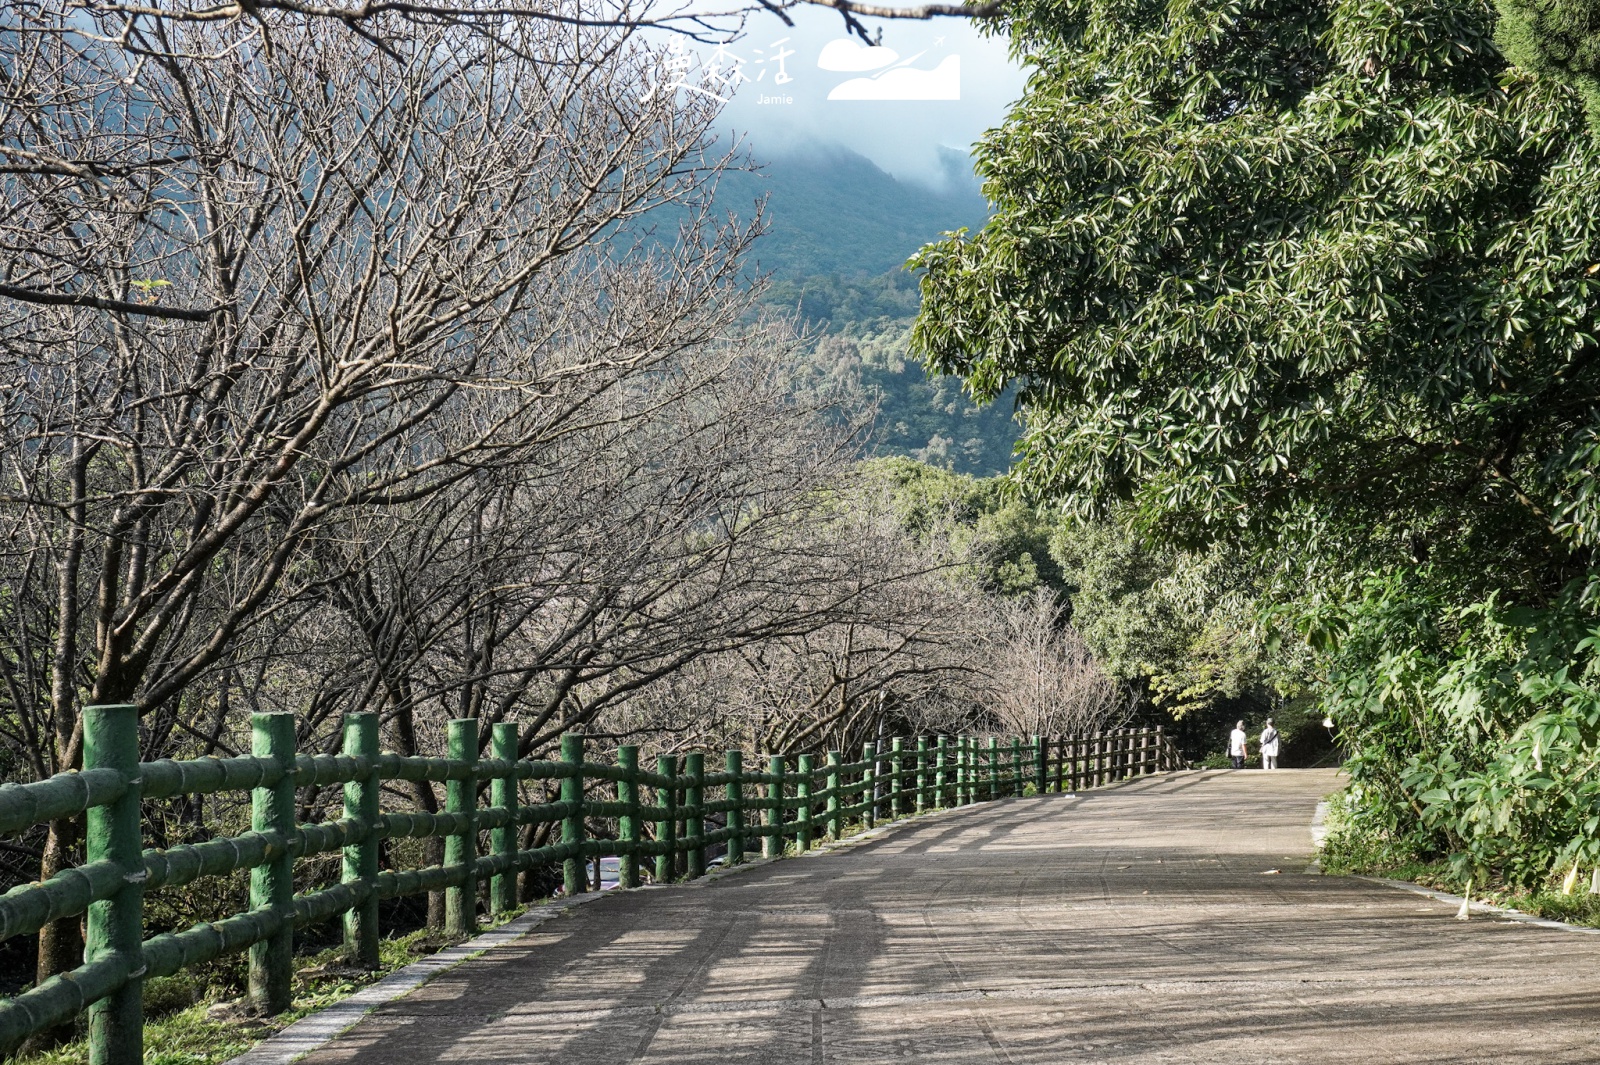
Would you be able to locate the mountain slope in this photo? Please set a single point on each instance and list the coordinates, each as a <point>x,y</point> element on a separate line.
<point>840,230</point>
<point>833,212</point>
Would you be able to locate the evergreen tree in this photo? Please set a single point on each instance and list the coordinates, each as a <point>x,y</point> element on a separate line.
<point>1320,276</point>
<point>1559,38</point>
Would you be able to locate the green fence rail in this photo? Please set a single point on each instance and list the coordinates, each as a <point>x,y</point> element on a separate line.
<point>679,816</point>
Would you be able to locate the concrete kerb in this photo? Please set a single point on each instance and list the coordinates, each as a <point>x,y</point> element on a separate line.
<point>1319,835</point>
<point>1502,912</point>
<point>312,1032</point>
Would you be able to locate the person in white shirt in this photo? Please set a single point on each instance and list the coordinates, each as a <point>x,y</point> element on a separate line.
<point>1269,746</point>
<point>1238,745</point>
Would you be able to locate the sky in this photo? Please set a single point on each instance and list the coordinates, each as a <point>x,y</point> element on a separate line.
<point>793,90</point>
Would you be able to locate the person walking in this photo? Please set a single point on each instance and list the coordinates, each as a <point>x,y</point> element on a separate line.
<point>1238,745</point>
<point>1269,746</point>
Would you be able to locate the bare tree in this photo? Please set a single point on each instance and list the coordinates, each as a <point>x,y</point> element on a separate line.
<point>361,274</point>
<point>1043,679</point>
<point>888,643</point>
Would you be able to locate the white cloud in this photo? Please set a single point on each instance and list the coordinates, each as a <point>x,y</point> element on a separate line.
<point>943,82</point>
<point>844,54</point>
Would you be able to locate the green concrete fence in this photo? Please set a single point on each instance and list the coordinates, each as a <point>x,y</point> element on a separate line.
<point>694,813</point>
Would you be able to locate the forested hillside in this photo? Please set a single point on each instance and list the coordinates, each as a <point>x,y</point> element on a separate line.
<point>833,213</point>
<point>839,231</point>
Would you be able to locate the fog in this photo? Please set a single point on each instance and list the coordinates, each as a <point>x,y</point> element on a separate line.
<point>779,80</point>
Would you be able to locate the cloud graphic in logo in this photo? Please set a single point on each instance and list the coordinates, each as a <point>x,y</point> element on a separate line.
<point>847,56</point>
<point>943,82</point>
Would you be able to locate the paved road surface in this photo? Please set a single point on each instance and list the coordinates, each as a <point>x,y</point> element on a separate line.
<point>1133,924</point>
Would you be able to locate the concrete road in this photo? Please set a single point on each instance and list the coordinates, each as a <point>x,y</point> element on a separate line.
<point>1140,923</point>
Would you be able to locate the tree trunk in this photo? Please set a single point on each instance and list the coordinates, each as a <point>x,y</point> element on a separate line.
<point>60,942</point>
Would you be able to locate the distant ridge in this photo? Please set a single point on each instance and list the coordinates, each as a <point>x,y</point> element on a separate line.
<point>839,231</point>
<point>833,212</point>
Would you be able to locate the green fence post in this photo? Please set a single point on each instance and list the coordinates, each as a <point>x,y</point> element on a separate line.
<point>360,859</point>
<point>116,924</point>
<point>694,835</point>
<point>272,882</point>
<point>802,793</point>
<point>897,755</point>
<point>667,825</point>
<point>963,769</point>
<point>680,828</point>
<point>461,846</point>
<point>922,774</point>
<point>1041,767</point>
<point>994,764</point>
<point>869,783</point>
<point>772,842</point>
<point>941,772</point>
<point>628,824</point>
<point>503,838</point>
<point>574,868</point>
<point>733,761</point>
<point>834,820</point>
<point>1016,765</point>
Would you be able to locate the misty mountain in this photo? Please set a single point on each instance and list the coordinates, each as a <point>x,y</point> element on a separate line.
<point>840,230</point>
<point>832,212</point>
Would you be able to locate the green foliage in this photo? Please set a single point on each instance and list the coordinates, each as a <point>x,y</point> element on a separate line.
<point>1184,628</point>
<point>1319,279</point>
<point>1556,38</point>
<point>1474,731</point>
<point>923,416</point>
<point>1186,623</point>
<point>1013,539</point>
<point>830,302</point>
<point>1357,842</point>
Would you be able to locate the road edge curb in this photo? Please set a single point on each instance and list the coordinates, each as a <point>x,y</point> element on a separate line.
<point>1486,908</point>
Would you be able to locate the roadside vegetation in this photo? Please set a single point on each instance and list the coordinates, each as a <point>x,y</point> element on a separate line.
<point>1310,290</point>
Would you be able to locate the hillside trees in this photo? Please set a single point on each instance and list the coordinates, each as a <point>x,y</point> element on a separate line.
<point>1314,287</point>
<point>363,373</point>
<point>1315,279</point>
<point>1046,680</point>
<point>1183,633</point>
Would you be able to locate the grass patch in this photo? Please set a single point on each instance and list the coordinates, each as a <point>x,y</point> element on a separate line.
<point>191,1022</point>
<point>1354,849</point>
